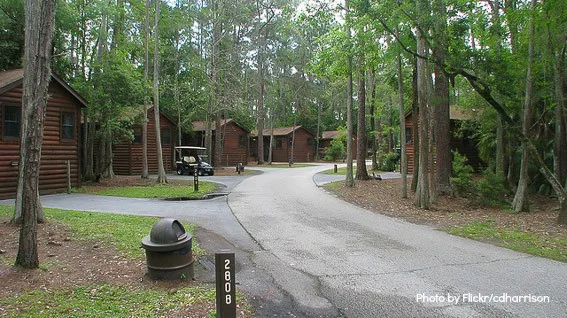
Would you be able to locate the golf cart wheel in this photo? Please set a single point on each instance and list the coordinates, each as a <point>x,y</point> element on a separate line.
<point>179,171</point>
<point>201,172</point>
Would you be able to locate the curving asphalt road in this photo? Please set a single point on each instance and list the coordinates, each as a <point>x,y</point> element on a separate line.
<point>336,259</point>
<point>301,252</point>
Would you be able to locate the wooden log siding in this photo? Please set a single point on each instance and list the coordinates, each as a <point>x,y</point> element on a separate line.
<point>55,151</point>
<point>234,150</point>
<point>465,146</point>
<point>304,144</point>
<point>128,156</point>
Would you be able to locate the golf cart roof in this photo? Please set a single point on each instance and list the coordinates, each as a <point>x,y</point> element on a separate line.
<point>190,147</point>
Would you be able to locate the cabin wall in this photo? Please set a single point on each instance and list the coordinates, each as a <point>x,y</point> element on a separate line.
<point>233,151</point>
<point>235,145</point>
<point>304,146</point>
<point>128,155</point>
<point>55,151</point>
<point>466,146</point>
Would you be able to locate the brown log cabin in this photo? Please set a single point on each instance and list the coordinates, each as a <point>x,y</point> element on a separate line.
<point>465,145</point>
<point>304,150</point>
<point>234,140</point>
<point>61,142</point>
<point>329,135</point>
<point>128,155</point>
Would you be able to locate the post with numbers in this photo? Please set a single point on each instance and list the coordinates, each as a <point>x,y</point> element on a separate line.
<point>225,281</point>
<point>196,180</point>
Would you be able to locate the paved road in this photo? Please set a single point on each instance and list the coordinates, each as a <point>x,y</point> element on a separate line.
<point>335,259</point>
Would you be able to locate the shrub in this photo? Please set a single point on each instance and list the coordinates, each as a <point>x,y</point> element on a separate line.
<point>462,175</point>
<point>336,151</point>
<point>389,161</point>
<point>491,189</point>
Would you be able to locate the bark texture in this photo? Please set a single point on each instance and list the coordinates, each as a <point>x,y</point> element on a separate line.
<point>162,177</point>
<point>40,24</point>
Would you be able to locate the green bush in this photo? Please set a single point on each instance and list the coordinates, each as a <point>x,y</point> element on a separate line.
<point>491,189</point>
<point>389,161</point>
<point>336,151</point>
<point>461,181</point>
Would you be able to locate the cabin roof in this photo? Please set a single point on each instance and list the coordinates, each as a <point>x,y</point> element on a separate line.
<point>14,78</point>
<point>280,131</point>
<point>202,125</point>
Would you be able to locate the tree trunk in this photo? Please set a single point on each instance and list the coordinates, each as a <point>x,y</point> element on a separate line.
<point>421,198</point>
<point>372,101</point>
<point>500,146</point>
<point>292,159</point>
<point>145,169</point>
<point>560,140</point>
<point>415,127</point>
<point>441,105</point>
<point>260,108</point>
<point>40,24</point>
<point>162,177</point>
<point>403,150</point>
<point>217,158</point>
<point>271,149</point>
<point>319,105</point>
<point>349,181</point>
<point>520,199</point>
<point>361,172</point>
<point>109,156</point>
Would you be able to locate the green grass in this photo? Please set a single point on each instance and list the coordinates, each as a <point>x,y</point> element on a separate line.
<point>125,232</point>
<point>526,242</point>
<point>104,301</point>
<point>342,170</point>
<point>155,191</point>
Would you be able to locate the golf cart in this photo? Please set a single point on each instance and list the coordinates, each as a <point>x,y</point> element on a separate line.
<point>189,158</point>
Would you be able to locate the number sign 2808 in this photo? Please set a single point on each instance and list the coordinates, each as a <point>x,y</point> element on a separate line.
<point>226,302</point>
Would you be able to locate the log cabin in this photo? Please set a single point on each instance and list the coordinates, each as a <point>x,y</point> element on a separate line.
<point>465,144</point>
<point>234,139</point>
<point>61,142</point>
<point>304,147</point>
<point>329,135</point>
<point>128,154</point>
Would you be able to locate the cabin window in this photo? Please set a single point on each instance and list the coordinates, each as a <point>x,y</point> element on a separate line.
<point>408,136</point>
<point>67,126</point>
<point>11,122</point>
<point>137,135</point>
<point>310,142</point>
<point>279,143</point>
<point>242,141</point>
<point>165,136</point>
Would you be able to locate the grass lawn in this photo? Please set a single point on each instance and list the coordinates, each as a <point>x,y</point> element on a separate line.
<point>109,298</point>
<point>532,243</point>
<point>342,170</point>
<point>184,189</point>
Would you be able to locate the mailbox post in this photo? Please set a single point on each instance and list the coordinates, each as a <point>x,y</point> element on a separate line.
<point>225,283</point>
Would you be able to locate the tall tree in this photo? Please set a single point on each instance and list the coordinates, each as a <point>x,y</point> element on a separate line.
<point>162,177</point>
<point>40,25</point>
<point>403,150</point>
<point>145,169</point>
<point>361,171</point>
<point>520,199</point>
<point>349,181</point>
<point>441,103</point>
<point>421,198</point>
